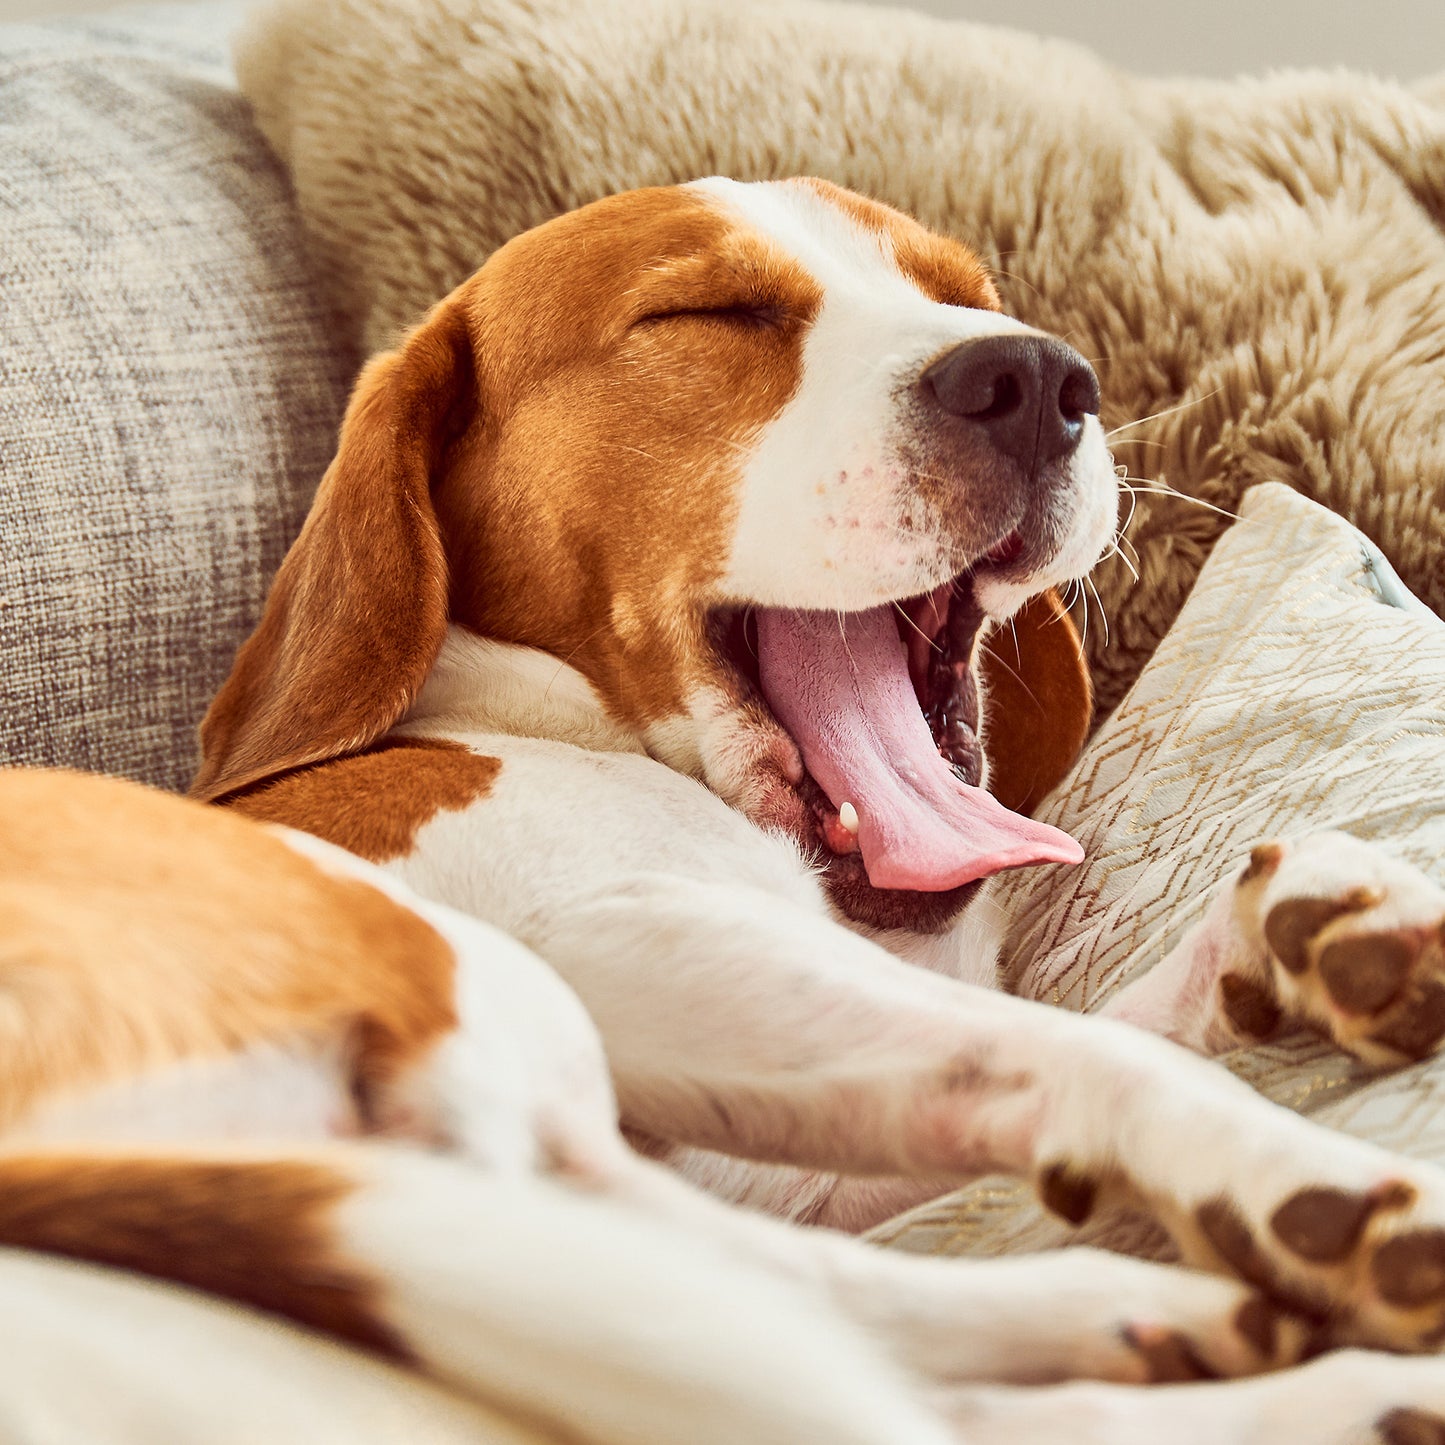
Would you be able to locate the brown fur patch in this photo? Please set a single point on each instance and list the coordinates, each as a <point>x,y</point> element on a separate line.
<point>1264,860</point>
<point>141,929</point>
<point>1419,1022</point>
<point>373,803</point>
<point>1225,1228</point>
<point>1258,1321</point>
<point>256,1232</point>
<point>945,270</point>
<point>1228,1233</point>
<point>1411,1427</point>
<point>1068,1192</point>
<point>1169,1357</point>
<point>1038,703</point>
<point>1364,974</point>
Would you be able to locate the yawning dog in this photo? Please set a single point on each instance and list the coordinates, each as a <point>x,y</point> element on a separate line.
<point>729,478</point>
<point>652,613</point>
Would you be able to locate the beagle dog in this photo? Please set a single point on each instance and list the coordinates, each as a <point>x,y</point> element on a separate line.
<point>646,626</point>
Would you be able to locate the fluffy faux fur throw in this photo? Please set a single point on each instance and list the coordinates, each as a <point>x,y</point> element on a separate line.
<point>1258,268</point>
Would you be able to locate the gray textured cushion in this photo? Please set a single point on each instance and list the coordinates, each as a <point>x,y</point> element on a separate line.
<point>169,386</point>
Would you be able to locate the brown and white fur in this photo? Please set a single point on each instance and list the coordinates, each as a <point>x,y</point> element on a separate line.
<point>495,662</point>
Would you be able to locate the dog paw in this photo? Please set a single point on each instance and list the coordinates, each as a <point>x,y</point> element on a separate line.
<point>1342,938</point>
<point>1337,1232</point>
<point>1365,1264</point>
<point>1105,1316</point>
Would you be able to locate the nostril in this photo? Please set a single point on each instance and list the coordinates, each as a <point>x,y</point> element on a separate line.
<point>975,382</point>
<point>1008,396</point>
<point>1079,394</point>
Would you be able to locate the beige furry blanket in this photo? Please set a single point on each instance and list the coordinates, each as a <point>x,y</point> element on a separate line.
<point>1257,267</point>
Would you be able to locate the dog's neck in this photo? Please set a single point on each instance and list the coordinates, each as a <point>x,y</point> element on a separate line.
<point>480,686</point>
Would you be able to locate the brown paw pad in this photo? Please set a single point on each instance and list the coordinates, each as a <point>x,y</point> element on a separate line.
<point>1409,1269</point>
<point>1411,1427</point>
<point>1249,1006</point>
<point>1291,924</point>
<point>1258,1321</point>
<point>1419,1022</point>
<point>1169,1358</point>
<point>1229,1236</point>
<point>1068,1192</point>
<point>1324,1225</point>
<point>1225,1229</point>
<point>1366,974</point>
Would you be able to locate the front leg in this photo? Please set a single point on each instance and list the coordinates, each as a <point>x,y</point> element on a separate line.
<point>1328,933</point>
<point>734,1020</point>
<point>1038,1318</point>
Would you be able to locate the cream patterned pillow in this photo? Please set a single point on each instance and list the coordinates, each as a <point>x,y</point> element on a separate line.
<point>1301,688</point>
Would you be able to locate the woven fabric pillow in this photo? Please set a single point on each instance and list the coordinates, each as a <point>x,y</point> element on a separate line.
<point>1301,688</point>
<point>170,385</point>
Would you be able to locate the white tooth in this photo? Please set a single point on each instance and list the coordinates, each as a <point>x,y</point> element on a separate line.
<point>848,817</point>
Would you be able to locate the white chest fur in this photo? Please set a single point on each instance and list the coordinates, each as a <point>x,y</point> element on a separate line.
<point>579,798</point>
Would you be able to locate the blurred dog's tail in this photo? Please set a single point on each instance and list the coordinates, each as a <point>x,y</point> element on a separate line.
<point>589,1316</point>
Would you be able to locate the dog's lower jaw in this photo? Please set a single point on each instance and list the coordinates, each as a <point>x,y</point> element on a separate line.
<point>741,752</point>
<point>887,909</point>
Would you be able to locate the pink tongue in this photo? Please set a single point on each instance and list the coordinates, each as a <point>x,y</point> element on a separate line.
<point>840,686</point>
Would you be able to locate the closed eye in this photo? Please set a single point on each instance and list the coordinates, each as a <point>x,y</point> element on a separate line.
<point>763,315</point>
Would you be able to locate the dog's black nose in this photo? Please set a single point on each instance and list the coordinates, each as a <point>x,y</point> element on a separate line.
<point>1030,394</point>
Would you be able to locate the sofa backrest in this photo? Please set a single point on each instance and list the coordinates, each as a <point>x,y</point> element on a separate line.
<point>170,386</point>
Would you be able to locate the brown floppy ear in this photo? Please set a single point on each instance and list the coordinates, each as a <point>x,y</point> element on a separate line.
<point>358,610</point>
<point>1038,702</point>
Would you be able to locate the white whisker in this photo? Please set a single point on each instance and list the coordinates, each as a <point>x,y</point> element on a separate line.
<point>1150,488</point>
<point>1103,617</point>
<point>898,608</point>
<point>1168,411</point>
<point>1133,505</point>
<point>1017,676</point>
<point>1115,551</point>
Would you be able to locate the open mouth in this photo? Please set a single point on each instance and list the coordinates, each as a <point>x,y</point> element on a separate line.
<point>884,707</point>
